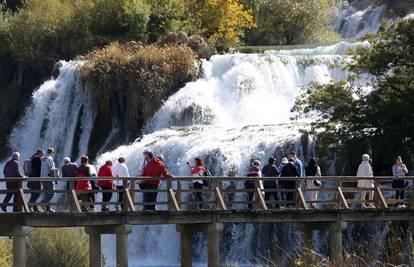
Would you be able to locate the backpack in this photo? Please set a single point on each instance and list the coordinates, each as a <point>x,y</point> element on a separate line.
<point>206,182</point>
<point>27,167</point>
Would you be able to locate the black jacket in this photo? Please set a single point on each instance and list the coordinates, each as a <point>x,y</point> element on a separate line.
<point>289,170</point>
<point>36,163</point>
<point>270,171</point>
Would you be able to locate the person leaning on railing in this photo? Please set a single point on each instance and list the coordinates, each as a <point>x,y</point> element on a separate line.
<point>155,168</point>
<point>198,171</point>
<point>35,167</point>
<point>12,170</point>
<point>47,169</point>
<point>254,171</point>
<point>121,171</point>
<point>399,169</point>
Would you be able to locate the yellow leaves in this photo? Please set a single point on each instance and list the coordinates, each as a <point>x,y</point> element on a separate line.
<point>222,21</point>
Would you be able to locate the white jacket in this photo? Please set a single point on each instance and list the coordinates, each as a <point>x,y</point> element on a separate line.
<point>121,170</point>
<point>365,170</point>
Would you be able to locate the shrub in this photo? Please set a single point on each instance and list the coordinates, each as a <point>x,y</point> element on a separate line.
<point>63,247</point>
<point>6,257</point>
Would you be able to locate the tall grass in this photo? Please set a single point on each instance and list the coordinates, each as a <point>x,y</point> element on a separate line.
<point>6,257</point>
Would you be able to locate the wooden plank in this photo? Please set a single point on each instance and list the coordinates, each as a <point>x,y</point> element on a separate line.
<point>342,197</point>
<point>76,201</point>
<point>302,198</point>
<point>381,197</point>
<point>260,199</point>
<point>220,199</point>
<point>23,201</point>
<point>171,194</point>
<point>129,199</point>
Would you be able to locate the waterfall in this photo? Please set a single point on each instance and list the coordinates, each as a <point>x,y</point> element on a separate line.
<point>60,115</point>
<point>355,20</point>
<point>237,111</point>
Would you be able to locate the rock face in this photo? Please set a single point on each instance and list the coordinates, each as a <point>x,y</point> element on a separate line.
<point>16,86</point>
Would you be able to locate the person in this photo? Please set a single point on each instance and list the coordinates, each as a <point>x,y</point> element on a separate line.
<point>147,157</point>
<point>36,164</point>
<point>298,163</point>
<point>155,168</point>
<point>365,170</point>
<point>198,171</point>
<point>121,171</point>
<point>282,183</point>
<point>12,170</point>
<point>289,170</point>
<point>93,173</point>
<point>69,170</point>
<point>107,172</point>
<point>399,169</point>
<point>313,170</point>
<point>254,171</point>
<point>270,170</point>
<point>84,185</point>
<point>46,170</point>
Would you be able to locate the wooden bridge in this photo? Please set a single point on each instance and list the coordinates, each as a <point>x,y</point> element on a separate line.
<point>225,201</point>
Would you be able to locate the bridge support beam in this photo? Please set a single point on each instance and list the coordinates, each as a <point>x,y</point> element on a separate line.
<point>121,232</point>
<point>335,241</point>
<point>19,234</point>
<point>186,232</point>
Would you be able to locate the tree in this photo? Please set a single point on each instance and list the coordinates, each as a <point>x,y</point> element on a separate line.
<point>380,120</point>
<point>222,21</point>
<point>290,21</point>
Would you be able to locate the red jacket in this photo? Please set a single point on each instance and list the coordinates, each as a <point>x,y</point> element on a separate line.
<point>106,171</point>
<point>155,168</point>
<point>84,184</point>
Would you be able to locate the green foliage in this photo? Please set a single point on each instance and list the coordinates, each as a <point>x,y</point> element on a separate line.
<point>291,21</point>
<point>64,247</point>
<point>6,257</point>
<point>381,120</point>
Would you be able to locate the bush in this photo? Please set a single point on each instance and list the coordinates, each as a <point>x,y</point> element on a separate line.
<point>63,247</point>
<point>6,257</point>
<point>148,66</point>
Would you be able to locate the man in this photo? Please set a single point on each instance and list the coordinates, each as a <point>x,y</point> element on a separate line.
<point>270,170</point>
<point>298,163</point>
<point>107,172</point>
<point>36,163</point>
<point>121,171</point>
<point>289,170</point>
<point>11,170</point>
<point>155,168</point>
<point>69,170</point>
<point>46,170</point>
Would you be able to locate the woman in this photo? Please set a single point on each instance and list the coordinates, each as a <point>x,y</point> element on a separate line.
<point>198,171</point>
<point>365,170</point>
<point>400,170</point>
<point>313,170</point>
<point>84,185</point>
<point>254,171</point>
<point>107,172</point>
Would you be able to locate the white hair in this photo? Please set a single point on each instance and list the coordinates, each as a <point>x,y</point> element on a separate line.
<point>16,155</point>
<point>365,157</point>
<point>66,160</point>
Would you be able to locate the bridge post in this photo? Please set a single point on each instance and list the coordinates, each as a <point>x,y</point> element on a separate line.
<point>335,241</point>
<point>186,236</point>
<point>122,232</point>
<point>19,245</point>
<point>95,257</point>
<point>214,244</point>
<point>306,230</point>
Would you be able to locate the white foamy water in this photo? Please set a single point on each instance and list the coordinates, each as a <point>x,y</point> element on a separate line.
<point>355,20</point>
<point>57,108</point>
<point>237,111</point>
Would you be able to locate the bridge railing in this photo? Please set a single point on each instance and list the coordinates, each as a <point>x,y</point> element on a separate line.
<point>219,193</point>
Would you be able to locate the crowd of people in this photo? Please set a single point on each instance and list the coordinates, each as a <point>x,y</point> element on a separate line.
<point>152,168</point>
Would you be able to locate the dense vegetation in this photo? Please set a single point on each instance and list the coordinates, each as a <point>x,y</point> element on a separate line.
<point>353,120</point>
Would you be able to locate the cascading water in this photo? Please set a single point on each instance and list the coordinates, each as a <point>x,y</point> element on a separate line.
<point>238,111</point>
<point>60,116</point>
<point>355,20</point>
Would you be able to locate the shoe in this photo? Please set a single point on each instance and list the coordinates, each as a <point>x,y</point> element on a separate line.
<point>104,209</point>
<point>117,207</point>
<point>371,206</point>
<point>4,208</point>
<point>50,210</point>
<point>401,206</point>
